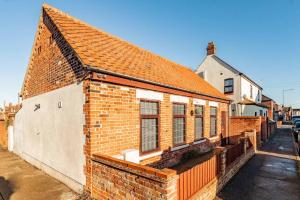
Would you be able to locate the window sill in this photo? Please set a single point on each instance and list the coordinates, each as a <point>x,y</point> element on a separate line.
<point>150,155</point>
<point>179,147</point>
<point>228,93</point>
<point>199,141</point>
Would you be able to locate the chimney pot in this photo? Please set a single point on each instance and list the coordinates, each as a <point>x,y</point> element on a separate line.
<point>211,48</point>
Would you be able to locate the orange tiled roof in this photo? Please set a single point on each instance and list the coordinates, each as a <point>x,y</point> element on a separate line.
<point>98,49</point>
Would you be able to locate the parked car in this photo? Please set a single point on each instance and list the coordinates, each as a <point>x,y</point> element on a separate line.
<point>296,127</point>
<point>294,118</point>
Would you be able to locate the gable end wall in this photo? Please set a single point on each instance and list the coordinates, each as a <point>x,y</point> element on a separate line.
<point>55,66</point>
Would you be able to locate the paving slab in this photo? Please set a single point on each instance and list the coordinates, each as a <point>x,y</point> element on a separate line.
<point>21,181</point>
<point>272,174</point>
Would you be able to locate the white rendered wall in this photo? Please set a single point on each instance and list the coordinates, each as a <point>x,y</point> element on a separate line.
<point>10,133</point>
<point>52,138</point>
<point>249,110</point>
<point>245,91</point>
<point>215,74</point>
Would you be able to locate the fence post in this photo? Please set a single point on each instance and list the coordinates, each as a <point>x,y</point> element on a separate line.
<point>245,141</point>
<point>223,162</point>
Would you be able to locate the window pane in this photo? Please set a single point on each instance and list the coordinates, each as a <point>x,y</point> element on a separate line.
<point>213,111</point>
<point>178,130</point>
<point>228,89</point>
<point>228,82</point>
<point>178,109</point>
<point>198,127</point>
<point>149,134</point>
<point>149,108</point>
<point>199,110</point>
<point>213,126</point>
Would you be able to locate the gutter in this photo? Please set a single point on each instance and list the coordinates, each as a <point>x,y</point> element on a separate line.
<point>94,69</point>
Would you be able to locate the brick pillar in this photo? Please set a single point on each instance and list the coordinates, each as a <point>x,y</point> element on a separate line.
<point>172,188</point>
<point>245,141</point>
<point>223,161</point>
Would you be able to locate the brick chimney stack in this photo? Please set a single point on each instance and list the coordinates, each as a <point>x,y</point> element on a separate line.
<point>211,48</point>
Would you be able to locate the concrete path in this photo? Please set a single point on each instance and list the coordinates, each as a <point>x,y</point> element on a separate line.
<point>21,181</point>
<point>272,174</point>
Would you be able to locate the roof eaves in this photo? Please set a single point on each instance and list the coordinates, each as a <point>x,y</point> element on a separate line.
<point>97,69</point>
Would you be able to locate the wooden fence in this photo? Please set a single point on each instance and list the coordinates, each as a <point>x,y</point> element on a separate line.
<point>194,179</point>
<point>234,152</point>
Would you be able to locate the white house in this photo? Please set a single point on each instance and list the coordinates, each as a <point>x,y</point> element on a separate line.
<point>245,93</point>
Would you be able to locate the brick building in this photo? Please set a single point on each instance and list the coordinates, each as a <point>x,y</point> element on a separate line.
<point>87,92</point>
<point>271,104</point>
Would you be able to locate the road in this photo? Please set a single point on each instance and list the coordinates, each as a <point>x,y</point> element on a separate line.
<point>272,174</point>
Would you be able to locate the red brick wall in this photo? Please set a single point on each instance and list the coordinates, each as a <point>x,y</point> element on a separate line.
<point>270,105</point>
<point>264,129</point>
<point>3,134</point>
<point>113,121</point>
<point>55,66</point>
<point>240,124</point>
<point>116,179</point>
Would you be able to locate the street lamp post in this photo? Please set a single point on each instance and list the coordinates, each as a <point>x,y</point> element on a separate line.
<point>283,91</point>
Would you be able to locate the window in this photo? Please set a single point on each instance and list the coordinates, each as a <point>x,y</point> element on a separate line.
<point>228,85</point>
<point>251,92</point>
<point>255,114</point>
<point>213,121</point>
<point>178,123</point>
<point>149,126</point>
<point>198,122</point>
<point>260,112</point>
<point>258,95</point>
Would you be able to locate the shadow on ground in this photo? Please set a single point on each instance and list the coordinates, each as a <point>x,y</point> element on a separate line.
<point>5,189</point>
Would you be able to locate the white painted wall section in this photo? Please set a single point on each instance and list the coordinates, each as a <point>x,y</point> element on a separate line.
<point>149,94</point>
<point>213,104</point>
<point>246,88</point>
<point>199,102</point>
<point>10,132</point>
<point>51,137</point>
<point>179,99</point>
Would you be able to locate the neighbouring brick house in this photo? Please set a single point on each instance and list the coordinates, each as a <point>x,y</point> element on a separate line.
<point>271,104</point>
<point>106,116</point>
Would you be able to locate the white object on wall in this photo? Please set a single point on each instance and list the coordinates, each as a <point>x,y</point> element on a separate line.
<point>131,155</point>
<point>199,102</point>
<point>148,94</point>
<point>179,99</point>
<point>213,104</point>
<point>10,138</point>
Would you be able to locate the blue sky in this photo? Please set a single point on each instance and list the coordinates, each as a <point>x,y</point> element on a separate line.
<point>260,38</point>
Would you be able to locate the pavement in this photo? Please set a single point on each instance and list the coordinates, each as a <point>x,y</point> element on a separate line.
<point>21,181</point>
<point>272,174</point>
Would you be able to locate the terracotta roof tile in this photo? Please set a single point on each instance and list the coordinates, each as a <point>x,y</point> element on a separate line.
<point>101,50</point>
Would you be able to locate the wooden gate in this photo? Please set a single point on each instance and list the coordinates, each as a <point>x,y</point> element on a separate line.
<point>194,179</point>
